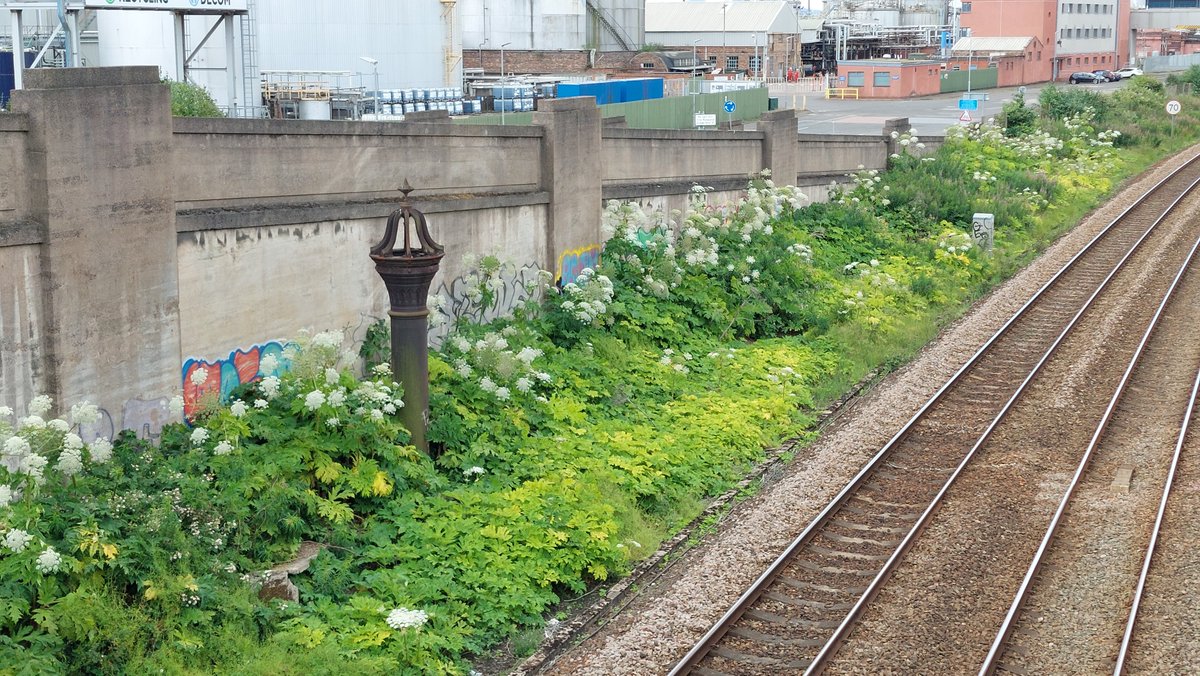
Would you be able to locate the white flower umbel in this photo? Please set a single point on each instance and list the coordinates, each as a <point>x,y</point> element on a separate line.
<point>314,399</point>
<point>70,462</point>
<point>473,471</point>
<point>16,447</point>
<point>16,540</point>
<point>199,436</point>
<point>48,561</point>
<point>176,405</point>
<point>261,403</point>
<point>332,376</point>
<point>268,365</point>
<point>33,422</point>
<point>403,618</point>
<point>199,376</point>
<point>40,405</point>
<point>238,408</point>
<point>328,340</point>
<point>223,448</point>
<point>269,386</point>
<point>33,465</point>
<point>100,450</point>
<point>84,413</point>
<point>6,495</point>
<point>6,412</point>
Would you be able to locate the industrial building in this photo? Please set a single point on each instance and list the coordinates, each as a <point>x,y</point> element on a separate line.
<point>329,55</point>
<point>346,44</point>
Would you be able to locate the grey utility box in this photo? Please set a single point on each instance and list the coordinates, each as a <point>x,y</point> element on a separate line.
<point>983,230</point>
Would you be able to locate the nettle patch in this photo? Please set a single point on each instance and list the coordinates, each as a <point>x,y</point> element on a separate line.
<point>570,437</point>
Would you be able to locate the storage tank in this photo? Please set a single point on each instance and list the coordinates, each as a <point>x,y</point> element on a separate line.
<point>920,17</point>
<point>314,110</point>
<point>880,17</point>
<point>552,24</point>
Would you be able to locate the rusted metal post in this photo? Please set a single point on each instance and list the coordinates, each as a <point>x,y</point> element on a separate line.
<point>407,270</point>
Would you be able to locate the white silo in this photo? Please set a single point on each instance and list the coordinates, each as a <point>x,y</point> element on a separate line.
<point>607,25</point>
<point>415,43</point>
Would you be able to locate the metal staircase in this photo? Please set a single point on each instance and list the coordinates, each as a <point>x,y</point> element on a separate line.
<point>602,17</point>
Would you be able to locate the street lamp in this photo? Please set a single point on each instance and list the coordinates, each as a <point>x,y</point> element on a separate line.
<point>970,53</point>
<point>502,78</point>
<point>724,48</point>
<point>374,67</point>
<point>753,64</point>
<point>693,87</point>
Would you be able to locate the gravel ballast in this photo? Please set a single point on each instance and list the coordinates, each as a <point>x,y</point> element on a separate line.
<point>670,613</point>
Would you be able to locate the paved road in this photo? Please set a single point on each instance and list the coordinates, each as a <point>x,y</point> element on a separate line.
<point>931,114</point>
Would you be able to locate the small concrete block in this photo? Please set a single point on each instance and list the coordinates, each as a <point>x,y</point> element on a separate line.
<point>1123,478</point>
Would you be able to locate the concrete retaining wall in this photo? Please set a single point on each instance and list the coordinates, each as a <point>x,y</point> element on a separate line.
<point>136,249</point>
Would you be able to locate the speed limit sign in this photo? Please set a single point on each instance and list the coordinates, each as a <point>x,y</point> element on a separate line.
<point>1173,107</point>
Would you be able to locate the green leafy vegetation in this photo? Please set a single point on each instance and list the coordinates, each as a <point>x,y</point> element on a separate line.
<point>570,434</point>
<point>189,100</point>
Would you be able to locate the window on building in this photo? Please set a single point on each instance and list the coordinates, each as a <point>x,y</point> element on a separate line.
<point>966,8</point>
<point>647,64</point>
<point>731,63</point>
<point>710,60</point>
<point>1066,8</point>
<point>856,79</point>
<point>755,63</point>
<point>882,79</point>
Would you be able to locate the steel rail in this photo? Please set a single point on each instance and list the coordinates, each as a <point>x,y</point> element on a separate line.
<point>831,646</point>
<point>1123,654</point>
<point>722,625</point>
<point>1006,627</point>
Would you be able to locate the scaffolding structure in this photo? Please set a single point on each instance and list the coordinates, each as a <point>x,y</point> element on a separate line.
<point>286,93</point>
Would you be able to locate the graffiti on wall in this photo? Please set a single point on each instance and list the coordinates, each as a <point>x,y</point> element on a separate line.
<point>511,288</point>
<point>223,375</point>
<point>573,261</point>
<point>145,417</point>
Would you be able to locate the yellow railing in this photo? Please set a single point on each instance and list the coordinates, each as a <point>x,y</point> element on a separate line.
<point>841,92</point>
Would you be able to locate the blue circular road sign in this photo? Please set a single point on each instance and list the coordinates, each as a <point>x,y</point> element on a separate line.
<point>730,106</point>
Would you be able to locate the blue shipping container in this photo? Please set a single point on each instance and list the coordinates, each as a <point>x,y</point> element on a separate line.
<point>8,78</point>
<point>614,91</point>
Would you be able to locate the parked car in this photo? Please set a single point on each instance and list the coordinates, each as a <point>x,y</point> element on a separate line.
<point>1108,75</point>
<point>1084,76</point>
<point>1128,71</point>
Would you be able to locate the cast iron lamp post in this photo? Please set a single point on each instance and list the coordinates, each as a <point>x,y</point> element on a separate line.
<point>407,270</point>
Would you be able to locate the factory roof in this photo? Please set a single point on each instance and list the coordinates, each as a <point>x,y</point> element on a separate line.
<point>992,45</point>
<point>733,17</point>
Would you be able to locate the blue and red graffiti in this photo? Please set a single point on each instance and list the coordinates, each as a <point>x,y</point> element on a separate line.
<point>223,375</point>
<point>573,261</point>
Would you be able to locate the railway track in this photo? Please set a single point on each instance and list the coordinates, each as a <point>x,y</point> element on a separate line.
<point>797,613</point>
<point>1162,640</point>
<point>1068,592</point>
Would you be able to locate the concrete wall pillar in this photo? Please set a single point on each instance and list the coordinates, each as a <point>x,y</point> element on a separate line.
<point>781,145</point>
<point>571,173</point>
<point>898,125</point>
<point>99,158</point>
